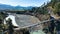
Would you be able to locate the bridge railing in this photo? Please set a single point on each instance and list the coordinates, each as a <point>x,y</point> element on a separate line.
<point>32,27</point>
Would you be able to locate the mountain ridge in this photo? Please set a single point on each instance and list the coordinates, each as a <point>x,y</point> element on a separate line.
<point>9,7</point>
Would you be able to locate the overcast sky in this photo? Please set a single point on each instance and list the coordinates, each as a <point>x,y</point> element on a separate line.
<point>23,2</point>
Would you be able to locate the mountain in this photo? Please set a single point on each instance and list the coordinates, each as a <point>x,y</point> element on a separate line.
<point>4,7</point>
<point>9,7</point>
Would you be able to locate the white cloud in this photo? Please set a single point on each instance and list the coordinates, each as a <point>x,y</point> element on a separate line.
<point>23,2</point>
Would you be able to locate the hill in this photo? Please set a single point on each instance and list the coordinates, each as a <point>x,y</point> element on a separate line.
<point>9,7</point>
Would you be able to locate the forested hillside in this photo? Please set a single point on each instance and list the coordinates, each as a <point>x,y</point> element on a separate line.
<point>53,5</point>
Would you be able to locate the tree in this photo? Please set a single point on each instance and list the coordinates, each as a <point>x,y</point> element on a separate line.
<point>57,7</point>
<point>10,27</point>
<point>2,17</point>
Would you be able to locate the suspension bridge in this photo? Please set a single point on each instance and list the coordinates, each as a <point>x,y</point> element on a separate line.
<point>26,21</point>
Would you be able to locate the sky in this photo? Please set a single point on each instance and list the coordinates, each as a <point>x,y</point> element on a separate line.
<point>24,2</point>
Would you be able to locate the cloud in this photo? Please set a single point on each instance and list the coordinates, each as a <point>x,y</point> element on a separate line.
<point>23,2</point>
